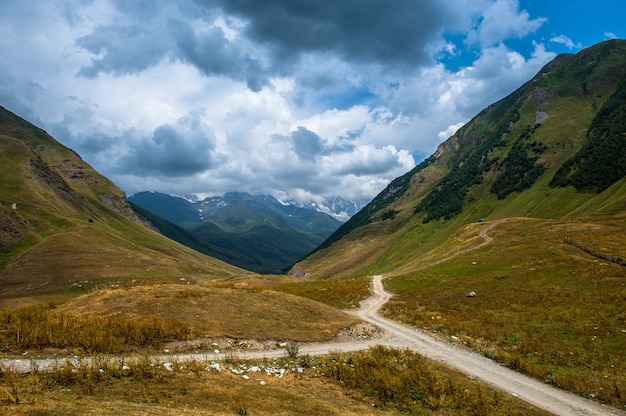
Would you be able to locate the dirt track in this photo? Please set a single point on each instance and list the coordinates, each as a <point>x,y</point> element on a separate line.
<point>397,335</point>
<point>541,395</point>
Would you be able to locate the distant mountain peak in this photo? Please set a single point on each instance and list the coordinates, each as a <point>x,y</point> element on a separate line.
<point>256,232</point>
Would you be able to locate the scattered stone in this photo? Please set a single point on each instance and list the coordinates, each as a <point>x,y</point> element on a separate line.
<point>471,294</point>
<point>169,366</point>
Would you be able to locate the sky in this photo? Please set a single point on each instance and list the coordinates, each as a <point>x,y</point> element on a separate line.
<point>300,99</point>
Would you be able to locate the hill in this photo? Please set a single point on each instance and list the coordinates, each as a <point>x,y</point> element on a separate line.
<point>66,229</point>
<point>254,232</point>
<point>554,148</point>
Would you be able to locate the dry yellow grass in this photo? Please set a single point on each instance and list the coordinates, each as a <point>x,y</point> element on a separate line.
<point>189,393</point>
<point>217,312</point>
<point>374,382</point>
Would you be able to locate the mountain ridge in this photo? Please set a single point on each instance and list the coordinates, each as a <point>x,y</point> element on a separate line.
<point>255,232</point>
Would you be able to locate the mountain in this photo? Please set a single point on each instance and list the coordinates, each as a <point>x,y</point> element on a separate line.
<point>337,207</point>
<point>186,212</point>
<point>554,148</point>
<point>255,232</point>
<point>66,229</point>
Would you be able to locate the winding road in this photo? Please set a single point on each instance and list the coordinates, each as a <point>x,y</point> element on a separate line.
<point>398,335</point>
<point>539,394</point>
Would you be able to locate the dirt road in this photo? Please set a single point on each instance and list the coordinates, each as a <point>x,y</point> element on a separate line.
<point>397,335</point>
<point>400,336</point>
<point>541,395</point>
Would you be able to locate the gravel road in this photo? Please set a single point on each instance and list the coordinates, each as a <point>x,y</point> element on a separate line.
<point>539,394</point>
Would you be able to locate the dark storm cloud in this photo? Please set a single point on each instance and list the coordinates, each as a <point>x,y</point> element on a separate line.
<point>276,35</point>
<point>124,50</point>
<point>306,144</point>
<point>213,54</point>
<point>173,151</point>
<point>168,35</point>
<point>390,33</point>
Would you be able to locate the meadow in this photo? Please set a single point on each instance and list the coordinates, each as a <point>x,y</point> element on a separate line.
<point>542,306</point>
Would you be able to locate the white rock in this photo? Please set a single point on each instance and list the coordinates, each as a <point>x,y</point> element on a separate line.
<point>169,366</point>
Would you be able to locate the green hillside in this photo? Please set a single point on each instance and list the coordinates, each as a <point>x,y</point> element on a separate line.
<point>66,229</point>
<point>526,155</point>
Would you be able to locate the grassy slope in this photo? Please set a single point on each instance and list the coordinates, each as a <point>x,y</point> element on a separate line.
<point>67,229</point>
<point>542,306</point>
<point>244,313</point>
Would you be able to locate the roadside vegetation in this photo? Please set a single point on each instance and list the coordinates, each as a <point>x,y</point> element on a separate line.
<point>146,317</point>
<point>378,381</point>
<point>342,294</point>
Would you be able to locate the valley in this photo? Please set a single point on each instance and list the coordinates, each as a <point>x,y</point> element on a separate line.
<point>493,270</point>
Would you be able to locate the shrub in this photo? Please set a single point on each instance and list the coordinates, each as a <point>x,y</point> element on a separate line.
<point>292,349</point>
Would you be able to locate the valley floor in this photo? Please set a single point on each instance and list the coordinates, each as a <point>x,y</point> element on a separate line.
<point>398,336</point>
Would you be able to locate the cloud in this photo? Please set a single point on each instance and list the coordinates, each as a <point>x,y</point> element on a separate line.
<point>171,32</point>
<point>373,32</point>
<point>564,40</point>
<point>501,20</point>
<point>306,144</point>
<point>290,97</point>
<point>171,151</point>
<point>445,134</point>
<point>366,160</point>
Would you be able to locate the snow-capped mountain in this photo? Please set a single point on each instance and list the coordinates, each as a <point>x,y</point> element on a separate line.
<point>256,232</point>
<point>189,210</point>
<point>337,207</point>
